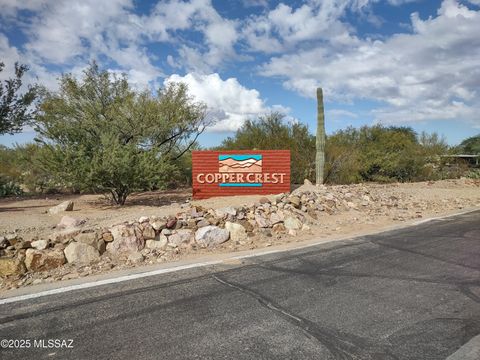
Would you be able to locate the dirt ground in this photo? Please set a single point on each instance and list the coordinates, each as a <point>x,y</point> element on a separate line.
<point>29,218</point>
<point>414,201</point>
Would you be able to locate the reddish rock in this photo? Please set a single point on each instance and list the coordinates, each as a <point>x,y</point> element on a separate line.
<point>171,223</point>
<point>42,260</point>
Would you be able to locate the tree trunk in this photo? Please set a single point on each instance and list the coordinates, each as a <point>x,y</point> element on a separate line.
<point>320,143</point>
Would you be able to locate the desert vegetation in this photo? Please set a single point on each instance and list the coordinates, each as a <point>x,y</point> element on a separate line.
<point>97,134</point>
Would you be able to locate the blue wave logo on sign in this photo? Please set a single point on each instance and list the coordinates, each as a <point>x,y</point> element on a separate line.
<point>240,164</point>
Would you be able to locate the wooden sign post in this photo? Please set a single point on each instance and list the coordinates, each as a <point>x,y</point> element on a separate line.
<point>227,173</point>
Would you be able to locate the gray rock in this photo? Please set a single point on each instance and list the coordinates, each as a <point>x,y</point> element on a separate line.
<point>159,225</point>
<point>81,253</point>
<point>64,235</point>
<point>39,244</point>
<point>237,231</point>
<point>180,237</point>
<point>203,223</point>
<point>292,223</point>
<point>261,221</point>
<point>276,218</point>
<point>211,236</point>
<point>89,238</point>
<point>125,239</point>
<point>64,206</point>
<point>167,232</point>
<point>223,212</point>
<point>68,222</point>
<point>160,244</point>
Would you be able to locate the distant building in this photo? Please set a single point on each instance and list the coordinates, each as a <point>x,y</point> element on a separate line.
<point>473,160</point>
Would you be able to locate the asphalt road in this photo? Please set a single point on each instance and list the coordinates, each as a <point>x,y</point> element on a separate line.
<point>407,294</point>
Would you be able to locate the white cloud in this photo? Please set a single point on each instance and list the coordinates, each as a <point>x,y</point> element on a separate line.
<point>341,113</point>
<point>229,102</point>
<point>255,3</point>
<point>432,72</point>
<point>10,55</point>
<point>70,33</point>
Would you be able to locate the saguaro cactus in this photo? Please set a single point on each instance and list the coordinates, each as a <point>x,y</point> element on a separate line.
<point>320,157</point>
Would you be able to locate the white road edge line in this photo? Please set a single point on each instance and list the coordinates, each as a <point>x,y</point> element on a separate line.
<point>177,268</point>
<point>423,221</point>
<point>105,282</point>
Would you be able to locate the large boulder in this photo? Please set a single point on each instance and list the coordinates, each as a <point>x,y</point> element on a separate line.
<point>160,244</point>
<point>276,217</point>
<point>64,236</point>
<point>64,206</point>
<point>237,231</point>
<point>92,239</point>
<point>81,253</point>
<point>148,231</point>
<point>210,236</point>
<point>11,266</point>
<point>42,260</point>
<point>125,239</point>
<point>68,222</point>
<point>179,237</point>
<point>89,238</point>
<point>292,223</point>
<point>261,221</point>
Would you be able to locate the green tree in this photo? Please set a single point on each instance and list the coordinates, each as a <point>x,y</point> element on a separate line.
<point>271,132</point>
<point>16,109</point>
<point>470,145</point>
<point>102,136</point>
<point>10,174</point>
<point>379,153</point>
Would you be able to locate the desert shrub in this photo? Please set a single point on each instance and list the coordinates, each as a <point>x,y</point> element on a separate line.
<point>273,132</point>
<point>382,154</point>
<point>100,135</point>
<point>9,188</point>
<point>473,174</point>
<point>470,145</point>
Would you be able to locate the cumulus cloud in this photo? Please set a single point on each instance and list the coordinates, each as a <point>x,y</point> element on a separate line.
<point>283,27</point>
<point>429,72</point>
<point>432,73</point>
<point>229,102</point>
<point>69,34</point>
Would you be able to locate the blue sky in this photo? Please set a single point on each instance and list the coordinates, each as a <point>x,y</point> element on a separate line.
<point>396,62</point>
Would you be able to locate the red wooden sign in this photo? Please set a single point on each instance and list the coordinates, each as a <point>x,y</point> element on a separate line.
<point>244,172</point>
